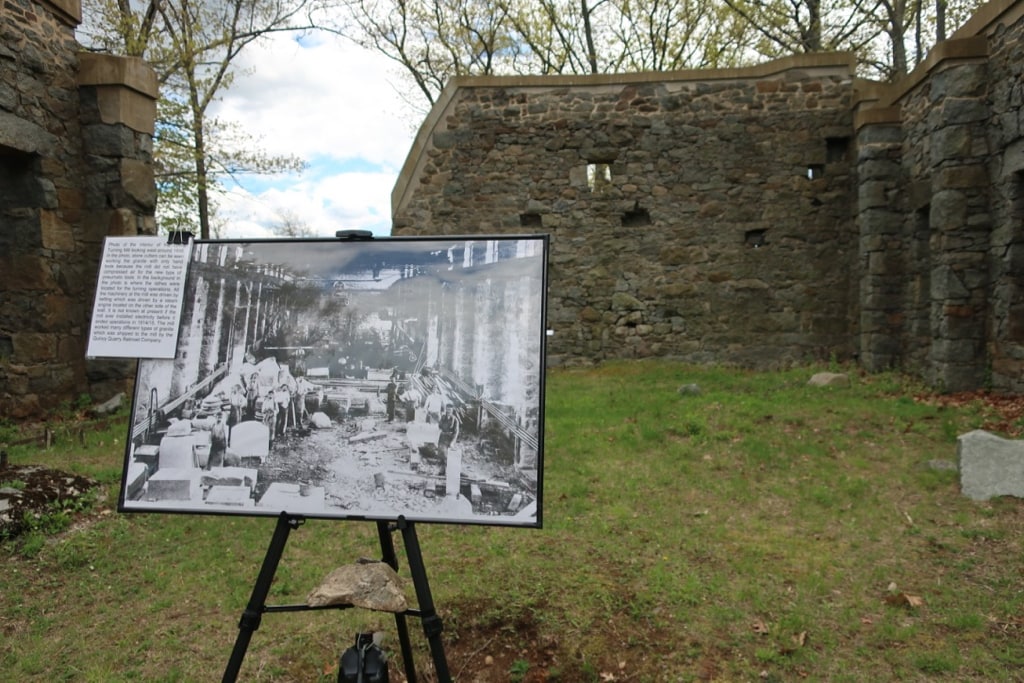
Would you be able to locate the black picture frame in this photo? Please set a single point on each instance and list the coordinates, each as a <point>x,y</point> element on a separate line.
<point>396,378</point>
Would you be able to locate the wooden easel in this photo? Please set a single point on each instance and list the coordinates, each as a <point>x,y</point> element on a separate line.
<point>432,626</point>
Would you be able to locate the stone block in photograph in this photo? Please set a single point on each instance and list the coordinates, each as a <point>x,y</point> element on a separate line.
<point>250,439</point>
<point>135,478</point>
<point>229,476</point>
<point>233,496</point>
<point>172,484</point>
<point>177,452</point>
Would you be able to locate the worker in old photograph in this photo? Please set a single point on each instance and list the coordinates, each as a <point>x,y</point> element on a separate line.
<point>218,442</point>
<point>449,426</point>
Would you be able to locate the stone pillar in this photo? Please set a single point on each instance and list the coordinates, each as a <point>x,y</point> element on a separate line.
<point>880,222</point>
<point>1006,346</point>
<point>118,104</point>
<point>961,225</point>
<point>117,98</point>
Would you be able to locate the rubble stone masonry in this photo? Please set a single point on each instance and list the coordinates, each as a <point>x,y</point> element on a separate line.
<point>698,216</point>
<point>75,166</point>
<point>763,216</point>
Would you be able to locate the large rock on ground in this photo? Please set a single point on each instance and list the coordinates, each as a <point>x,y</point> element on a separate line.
<point>830,379</point>
<point>371,585</point>
<point>990,465</point>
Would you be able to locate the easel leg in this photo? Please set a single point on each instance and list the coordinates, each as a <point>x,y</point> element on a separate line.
<point>253,613</point>
<point>432,625</point>
<point>387,547</point>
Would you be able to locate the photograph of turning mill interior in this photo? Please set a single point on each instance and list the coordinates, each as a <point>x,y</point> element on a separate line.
<point>369,379</point>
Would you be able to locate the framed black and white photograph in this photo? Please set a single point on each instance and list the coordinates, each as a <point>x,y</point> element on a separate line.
<point>358,379</point>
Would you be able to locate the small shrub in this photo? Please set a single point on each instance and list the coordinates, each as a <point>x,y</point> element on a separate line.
<point>517,672</point>
<point>32,544</point>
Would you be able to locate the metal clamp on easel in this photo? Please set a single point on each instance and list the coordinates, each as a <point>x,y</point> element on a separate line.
<point>180,237</point>
<point>354,235</point>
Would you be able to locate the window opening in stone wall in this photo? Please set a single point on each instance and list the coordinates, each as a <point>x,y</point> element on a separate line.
<point>1017,205</point>
<point>1015,260</point>
<point>599,177</point>
<point>636,217</point>
<point>21,196</point>
<point>921,250</point>
<point>18,187</point>
<point>836,149</point>
<point>1015,248</point>
<point>530,220</point>
<point>755,239</point>
<point>815,171</point>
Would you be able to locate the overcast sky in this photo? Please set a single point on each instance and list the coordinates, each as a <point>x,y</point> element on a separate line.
<point>337,107</point>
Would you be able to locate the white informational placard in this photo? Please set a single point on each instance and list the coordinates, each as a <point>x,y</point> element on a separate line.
<point>138,298</point>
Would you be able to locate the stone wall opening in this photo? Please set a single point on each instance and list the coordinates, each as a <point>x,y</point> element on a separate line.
<point>637,217</point>
<point>837,149</point>
<point>1017,205</point>
<point>599,177</point>
<point>530,220</point>
<point>755,239</point>
<point>1015,260</point>
<point>920,296</point>
<point>18,188</point>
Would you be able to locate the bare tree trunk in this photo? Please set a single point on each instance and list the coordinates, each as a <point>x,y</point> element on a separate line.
<point>813,43</point>
<point>202,193</point>
<point>897,35</point>
<point>588,31</point>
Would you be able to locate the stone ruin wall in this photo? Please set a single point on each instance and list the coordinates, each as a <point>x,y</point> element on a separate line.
<point>75,166</point>
<point>708,216</point>
<point>1006,169</point>
<point>702,218</point>
<point>940,214</point>
<point>759,216</point>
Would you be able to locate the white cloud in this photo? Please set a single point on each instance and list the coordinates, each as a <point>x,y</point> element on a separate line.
<point>340,201</point>
<point>334,105</point>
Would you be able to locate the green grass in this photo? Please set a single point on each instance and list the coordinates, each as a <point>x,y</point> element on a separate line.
<point>751,532</point>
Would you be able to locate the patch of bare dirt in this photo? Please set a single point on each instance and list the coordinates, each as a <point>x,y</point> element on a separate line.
<point>1004,412</point>
<point>28,491</point>
<point>496,650</point>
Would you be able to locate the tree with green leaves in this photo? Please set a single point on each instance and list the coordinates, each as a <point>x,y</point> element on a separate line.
<point>669,35</point>
<point>193,46</point>
<point>788,27</point>
<point>889,37</point>
<point>435,40</point>
<point>288,224</point>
